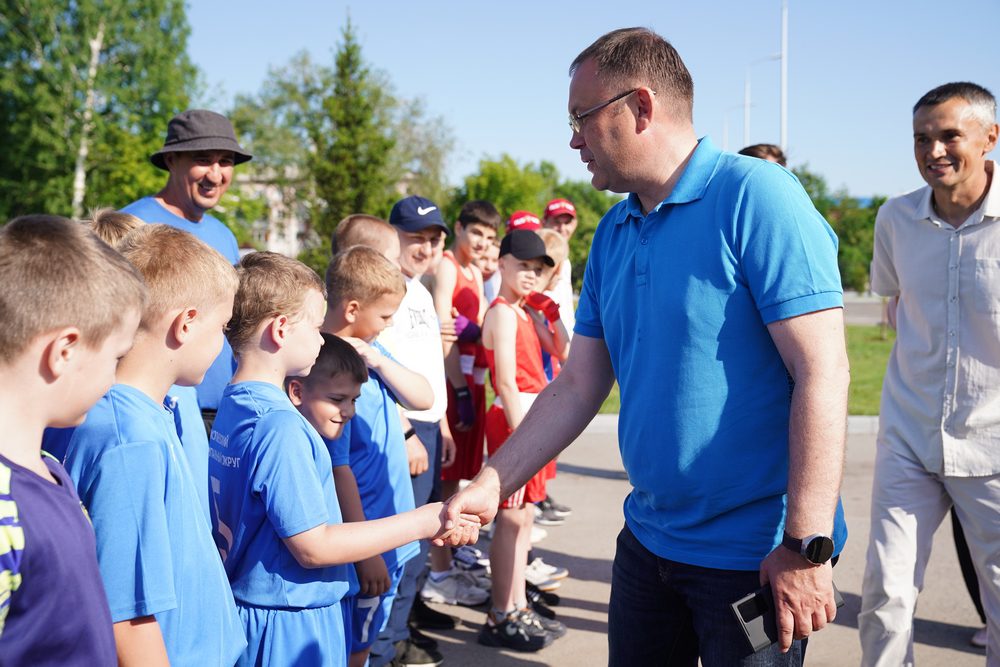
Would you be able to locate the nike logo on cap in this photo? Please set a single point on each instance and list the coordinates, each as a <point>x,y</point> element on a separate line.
<point>425,211</point>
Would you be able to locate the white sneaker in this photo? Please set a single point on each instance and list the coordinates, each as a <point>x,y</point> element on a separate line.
<point>550,571</point>
<point>456,588</point>
<point>540,580</point>
<point>979,639</point>
<point>538,534</point>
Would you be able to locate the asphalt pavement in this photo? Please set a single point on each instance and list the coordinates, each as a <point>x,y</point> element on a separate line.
<point>592,481</point>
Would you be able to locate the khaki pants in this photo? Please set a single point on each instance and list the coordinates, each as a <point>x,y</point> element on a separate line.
<point>908,505</point>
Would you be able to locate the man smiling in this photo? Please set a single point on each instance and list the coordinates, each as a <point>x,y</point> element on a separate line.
<point>937,255</point>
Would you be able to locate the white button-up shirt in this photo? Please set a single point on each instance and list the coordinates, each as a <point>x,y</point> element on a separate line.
<point>941,394</point>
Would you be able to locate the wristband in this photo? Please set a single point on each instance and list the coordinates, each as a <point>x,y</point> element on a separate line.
<point>462,392</point>
<point>409,434</point>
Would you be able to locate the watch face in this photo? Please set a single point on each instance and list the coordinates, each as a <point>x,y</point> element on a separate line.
<point>819,549</point>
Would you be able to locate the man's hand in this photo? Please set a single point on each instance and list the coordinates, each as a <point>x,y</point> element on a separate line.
<point>803,594</point>
<point>462,530</point>
<point>480,498</point>
<point>372,357</point>
<point>373,577</point>
<point>416,454</point>
<point>448,450</point>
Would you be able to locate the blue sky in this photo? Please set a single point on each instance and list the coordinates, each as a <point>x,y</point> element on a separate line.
<point>496,72</point>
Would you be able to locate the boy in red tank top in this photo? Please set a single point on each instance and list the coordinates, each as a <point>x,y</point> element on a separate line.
<point>458,298</point>
<point>513,338</point>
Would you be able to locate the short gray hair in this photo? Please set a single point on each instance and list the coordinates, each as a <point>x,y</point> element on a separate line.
<point>982,102</point>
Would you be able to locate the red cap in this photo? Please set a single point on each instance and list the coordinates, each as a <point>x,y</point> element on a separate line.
<point>523,220</point>
<point>560,207</point>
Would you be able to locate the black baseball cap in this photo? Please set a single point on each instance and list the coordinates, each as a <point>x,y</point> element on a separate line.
<point>525,244</point>
<point>415,213</point>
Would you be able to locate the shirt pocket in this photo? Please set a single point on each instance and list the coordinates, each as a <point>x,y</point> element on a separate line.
<point>986,288</point>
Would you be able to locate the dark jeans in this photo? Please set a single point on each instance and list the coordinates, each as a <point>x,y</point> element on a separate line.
<point>668,613</point>
<point>426,488</point>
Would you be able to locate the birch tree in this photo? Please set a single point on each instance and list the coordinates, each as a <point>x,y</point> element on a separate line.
<point>86,90</point>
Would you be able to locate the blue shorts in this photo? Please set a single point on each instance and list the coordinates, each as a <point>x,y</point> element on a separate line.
<point>370,614</point>
<point>313,636</point>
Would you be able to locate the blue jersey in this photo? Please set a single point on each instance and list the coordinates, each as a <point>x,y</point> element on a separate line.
<point>213,232</point>
<point>53,610</point>
<point>271,478</point>
<point>154,546</point>
<point>183,402</point>
<point>378,459</point>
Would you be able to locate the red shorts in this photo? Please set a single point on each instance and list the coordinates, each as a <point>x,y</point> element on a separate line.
<point>468,444</point>
<point>497,432</point>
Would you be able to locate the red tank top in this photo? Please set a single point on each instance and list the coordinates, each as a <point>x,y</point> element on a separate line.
<point>465,299</point>
<point>530,375</point>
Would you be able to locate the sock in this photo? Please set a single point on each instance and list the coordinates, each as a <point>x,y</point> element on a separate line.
<point>498,616</point>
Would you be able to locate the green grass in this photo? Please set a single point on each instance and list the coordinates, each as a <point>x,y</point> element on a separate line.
<point>868,349</point>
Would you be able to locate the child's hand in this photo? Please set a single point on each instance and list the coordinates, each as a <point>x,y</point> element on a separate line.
<point>373,576</point>
<point>543,304</point>
<point>448,334</point>
<point>416,455</point>
<point>372,357</point>
<point>463,531</point>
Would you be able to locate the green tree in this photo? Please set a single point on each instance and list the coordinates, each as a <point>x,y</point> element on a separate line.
<point>86,90</point>
<point>853,223</point>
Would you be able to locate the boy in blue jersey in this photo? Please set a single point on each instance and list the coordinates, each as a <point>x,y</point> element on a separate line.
<point>169,598</point>
<point>370,461</point>
<point>277,521</point>
<point>55,362</point>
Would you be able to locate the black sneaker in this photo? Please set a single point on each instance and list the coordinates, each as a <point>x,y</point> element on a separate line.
<point>418,638</point>
<point>541,608</point>
<point>550,503</point>
<point>409,654</point>
<point>545,516</point>
<point>535,593</point>
<point>514,633</point>
<point>549,625</point>
<point>424,617</point>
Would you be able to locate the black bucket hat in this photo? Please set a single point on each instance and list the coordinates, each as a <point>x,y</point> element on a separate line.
<point>199,130</point>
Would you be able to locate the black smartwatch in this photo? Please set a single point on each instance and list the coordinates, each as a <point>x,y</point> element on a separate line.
<point>816,549</point>
<point>409,434</point>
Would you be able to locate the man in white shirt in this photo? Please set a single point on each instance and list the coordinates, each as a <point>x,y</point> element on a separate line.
<point>937,256</point>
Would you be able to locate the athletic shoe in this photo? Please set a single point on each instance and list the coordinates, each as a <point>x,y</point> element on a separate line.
<point>546,517</point>
<point>550,571</point>
<point>538,534</point>
<point>514,633</point>
<point>454,589</point>
<point>421,640</point>
<point>422,616</point>
<point>551,599</point>
<point>549,625</point>
<point>409,654</point>
<point>979,638</point>
<point>560,510</point>
<point>540,607</point>
<point>541,581</point>
<point>470,558</point>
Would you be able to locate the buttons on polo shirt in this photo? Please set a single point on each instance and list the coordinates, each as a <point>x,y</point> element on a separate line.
<point>644,240</point>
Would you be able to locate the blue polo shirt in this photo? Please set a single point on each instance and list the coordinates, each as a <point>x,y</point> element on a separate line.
<point>682,297</point>
<point>212,231</point>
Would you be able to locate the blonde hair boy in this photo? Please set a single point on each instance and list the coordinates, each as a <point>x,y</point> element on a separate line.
<point>163,579</point>
<point>70,306</point>
<point>112,226</point>
<point>366,230</point>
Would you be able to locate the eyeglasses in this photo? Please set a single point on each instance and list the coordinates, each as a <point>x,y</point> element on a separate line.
<point>576,119</point>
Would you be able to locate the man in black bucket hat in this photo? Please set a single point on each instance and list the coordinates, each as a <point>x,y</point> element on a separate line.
<point>198,155</point>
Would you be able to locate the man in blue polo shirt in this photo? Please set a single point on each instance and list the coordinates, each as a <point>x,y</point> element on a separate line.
<point>712,295</point>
